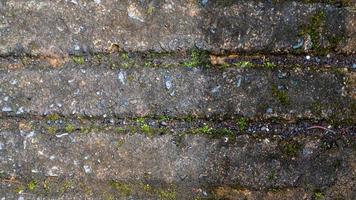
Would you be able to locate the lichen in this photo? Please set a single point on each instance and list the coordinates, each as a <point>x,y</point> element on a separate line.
<point>124,189</point>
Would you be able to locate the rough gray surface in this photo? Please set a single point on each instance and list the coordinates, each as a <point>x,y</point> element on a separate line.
<point>176,92</point>
<point>177,99</point>
<point>249,166</point>
<point>59,28</point>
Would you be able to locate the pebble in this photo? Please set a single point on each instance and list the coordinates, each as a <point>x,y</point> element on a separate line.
<point>20,111</point>
<point>168,82</point>
<point>307,57</point>
<point>269,110</point>
<point>13,82</point>
<point>122,76</point>
<point>299,43</point>
<point>238,81</point>
<point>87,169</point>
<point>204,2</point>
<point>283,75</point>
<point>216,89</point>
<point>6,109</point>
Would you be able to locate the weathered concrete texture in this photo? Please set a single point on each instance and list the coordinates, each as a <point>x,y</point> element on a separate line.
<point>104,164</point>
<point>59,28</point>
<point>178,92</point>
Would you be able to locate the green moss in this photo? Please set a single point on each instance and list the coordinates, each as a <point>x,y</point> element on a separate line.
<point>290,148</point>
<point>318,195</point>
<point>242,123</point>
<point>269,65</point>
<point>169,194</point>
<point>78,60</point>
<point>125,190</point>
<point>316,108</point>
<point>222,132</point>
<point>65,186</point>
<point>146,129</point>
<point>20,189</point>
<point>85,129</point>
<point>202,130</point>
<point>271,176</point>
<point>31,186</point>
<point>53,117</point>
<point>51,130</point>
<point>315,30</point>
<point>243,64</point>
<point>281,96</point>
<point>70,128</point>
<point>119,130</point>
<point>150,10</point>
<point>197,58</point>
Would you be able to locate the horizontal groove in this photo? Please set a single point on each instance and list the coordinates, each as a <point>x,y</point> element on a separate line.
<point>193,58</point>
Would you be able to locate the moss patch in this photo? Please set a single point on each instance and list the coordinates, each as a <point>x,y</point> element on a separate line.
<point>281,96</point>
<point>125,190</point>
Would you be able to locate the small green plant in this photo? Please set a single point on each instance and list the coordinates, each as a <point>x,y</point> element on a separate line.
<point>290,148</point>
<point>20,189</point>
<point>31,186</point>
<point>53,117</point>
<point>281,96</point>
<point>242,123</point>
<point>243,64</point>
<point>272,176</point>
<point>145,128</point>
<point>150,10</point>
<point>70,128</point>
<point>119,130</point>
<point>124,189</point>
<point>204,130</point>
<point>269,65</point>
<point>197,58</point>
<point>169,194</point>
<point>316,108</point>
<point>51,130</point>
<point>125,56</point>
<point>318,195</point>
<point>78,60</point>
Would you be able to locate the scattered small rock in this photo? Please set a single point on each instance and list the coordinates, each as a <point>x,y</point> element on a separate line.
<point>299,43</point>
<point>122,76</point>
<point>283,75</point>
<point>87,169</point>
<point>6,109</point>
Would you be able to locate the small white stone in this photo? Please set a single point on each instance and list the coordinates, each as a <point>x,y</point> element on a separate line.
<point>97,1</point>
<point>6,109</point>
<point>121,76</point>
<point>87,169</point>
<point>20,110</point>
<point>6,98</point>
<point>13,82</point>
<point>307,57</point>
